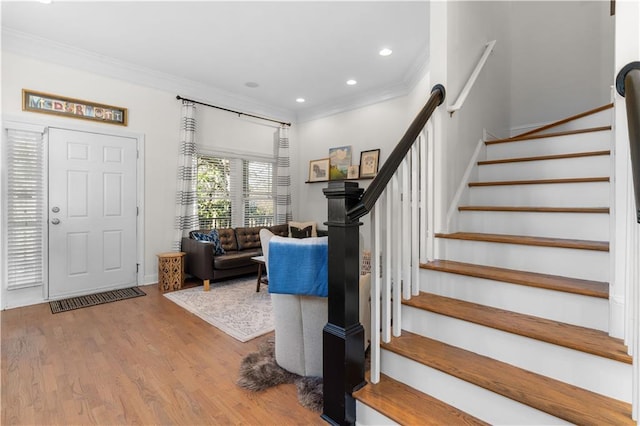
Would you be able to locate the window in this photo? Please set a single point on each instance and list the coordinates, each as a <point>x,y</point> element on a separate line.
<point>235,192</point>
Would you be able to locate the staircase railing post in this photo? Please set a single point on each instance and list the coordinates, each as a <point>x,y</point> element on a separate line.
<point>343,335</point>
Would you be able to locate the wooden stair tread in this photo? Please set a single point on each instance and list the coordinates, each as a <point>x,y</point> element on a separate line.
<point>408,406</point>
<point>548,135</point>
<point>571,403</point>
<point>545,157</point>
<point>540,181</point>
<point>570,336</point>
<point>535,209</point>
<point>527,240</point>
<point>532,279</point>
<point>565,120</point>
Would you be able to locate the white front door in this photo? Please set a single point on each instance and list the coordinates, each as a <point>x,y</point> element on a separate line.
<point>92,212</point>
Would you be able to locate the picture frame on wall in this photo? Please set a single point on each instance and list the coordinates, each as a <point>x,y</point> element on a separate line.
<point>340,160</point>
<point>74,108</point>
<point>353,172</point>
<point>369,163</point>
<point>319,170</point>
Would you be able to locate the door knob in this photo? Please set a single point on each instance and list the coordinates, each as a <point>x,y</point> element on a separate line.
<point>55,221</point>
<point>55,209</point>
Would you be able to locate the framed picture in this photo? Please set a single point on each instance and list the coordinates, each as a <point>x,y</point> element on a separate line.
<point>340,160</point>
<point>74,108</point>
<point>353,172</point>
<point>369,163</point>
<point>319,170</point>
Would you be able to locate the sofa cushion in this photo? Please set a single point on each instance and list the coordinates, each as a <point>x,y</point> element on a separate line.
<point>248,238</point>
<point>228,239</point>
<point>236,259</point>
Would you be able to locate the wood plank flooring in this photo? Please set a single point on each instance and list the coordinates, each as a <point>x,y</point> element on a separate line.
<point>139,361</point>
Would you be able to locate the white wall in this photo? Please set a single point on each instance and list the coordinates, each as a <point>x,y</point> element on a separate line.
<point>460,33</point>
<point>152,113</point>
<point>561,59</point>
<point>378,126</point>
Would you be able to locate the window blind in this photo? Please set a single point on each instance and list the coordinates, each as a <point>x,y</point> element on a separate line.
<point>26,236</point>
<point>214,192</point>
<point>257,189</point>
<point>235,192</point>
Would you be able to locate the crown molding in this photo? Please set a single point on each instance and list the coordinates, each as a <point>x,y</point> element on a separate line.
<point>49,51</point>
<point>62,54</point>
<point>350,103</point>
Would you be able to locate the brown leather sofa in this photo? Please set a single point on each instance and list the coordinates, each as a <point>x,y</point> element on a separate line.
<point>240,245</point>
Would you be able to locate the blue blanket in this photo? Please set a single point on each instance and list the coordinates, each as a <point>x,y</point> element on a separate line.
<point>298,266</point>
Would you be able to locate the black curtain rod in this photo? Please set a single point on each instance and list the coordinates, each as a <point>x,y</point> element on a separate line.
<point>178,97</point>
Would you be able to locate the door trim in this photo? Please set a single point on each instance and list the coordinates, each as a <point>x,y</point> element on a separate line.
<point>14,298</point>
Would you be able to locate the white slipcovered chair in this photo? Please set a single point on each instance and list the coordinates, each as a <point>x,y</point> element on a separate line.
<point>299,321</point>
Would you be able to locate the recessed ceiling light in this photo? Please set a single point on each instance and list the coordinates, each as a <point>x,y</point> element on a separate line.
<point>300,100</point>
<point>251,84</point>
<point>385,52</point>
<point>351,82</point>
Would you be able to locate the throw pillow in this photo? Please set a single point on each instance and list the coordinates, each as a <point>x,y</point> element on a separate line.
<point>302,225</point>
<point>200,236</point>
<point>214,237</point>
<point>300,232</point>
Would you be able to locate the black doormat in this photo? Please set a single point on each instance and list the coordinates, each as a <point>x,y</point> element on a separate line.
<point>72,303</point>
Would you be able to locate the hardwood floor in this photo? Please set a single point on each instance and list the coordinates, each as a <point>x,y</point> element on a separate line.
<point>139,361</point>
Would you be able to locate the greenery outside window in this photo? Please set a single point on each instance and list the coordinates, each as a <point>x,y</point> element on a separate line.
<point>235,192</point>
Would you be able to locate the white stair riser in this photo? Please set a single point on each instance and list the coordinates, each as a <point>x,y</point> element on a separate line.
<point>592,194</point>
<point>591,372</point>
<point>583,226</point>
<point>600,119</point>
<point>585,142</point>
<point>584,311</point>
<point>575,263</point>
<point>472,399</point>
<point>546,169</point>
<point>367,416</point>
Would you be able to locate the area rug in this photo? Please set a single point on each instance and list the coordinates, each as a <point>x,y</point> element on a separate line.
<point>259,371</point>
<point>78,302</point>
<point>232,306</point>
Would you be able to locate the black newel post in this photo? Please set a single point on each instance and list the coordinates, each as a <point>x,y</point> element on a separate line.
<point>343,336</point>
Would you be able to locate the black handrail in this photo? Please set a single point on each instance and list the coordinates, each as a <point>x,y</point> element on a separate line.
<point>628,86</point>
<point>379,183</point>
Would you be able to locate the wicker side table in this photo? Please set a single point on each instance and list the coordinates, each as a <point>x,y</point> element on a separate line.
<point>170,271</point>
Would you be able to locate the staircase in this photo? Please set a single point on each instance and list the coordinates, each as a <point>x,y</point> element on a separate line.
<point>511,323</point>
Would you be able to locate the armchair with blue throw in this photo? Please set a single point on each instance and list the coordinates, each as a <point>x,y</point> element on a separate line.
<point>297,270</point>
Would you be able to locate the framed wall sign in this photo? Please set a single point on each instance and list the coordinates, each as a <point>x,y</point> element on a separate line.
<point>369,163</point>
<point>76,108</point>
<point>339,161</point>
<point>319,170</point>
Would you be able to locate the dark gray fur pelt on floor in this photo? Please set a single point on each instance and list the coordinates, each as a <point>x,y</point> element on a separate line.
<point>259,371</point>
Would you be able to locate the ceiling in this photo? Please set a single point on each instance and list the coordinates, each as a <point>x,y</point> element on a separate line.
<point>291,49</point>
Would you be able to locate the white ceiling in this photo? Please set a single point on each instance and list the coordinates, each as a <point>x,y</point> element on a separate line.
<point>291,49</point>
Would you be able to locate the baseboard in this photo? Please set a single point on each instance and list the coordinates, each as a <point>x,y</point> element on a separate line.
<point>462,189</point>
<point>150,279</point>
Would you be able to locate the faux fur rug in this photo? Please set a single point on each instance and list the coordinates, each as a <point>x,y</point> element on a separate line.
<point>259,371</point>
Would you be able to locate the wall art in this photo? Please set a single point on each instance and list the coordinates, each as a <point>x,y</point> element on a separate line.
<point>75,108</point>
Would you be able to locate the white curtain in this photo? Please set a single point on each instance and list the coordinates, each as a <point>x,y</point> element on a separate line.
<point>186,200</point>
<point>283,178</point>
